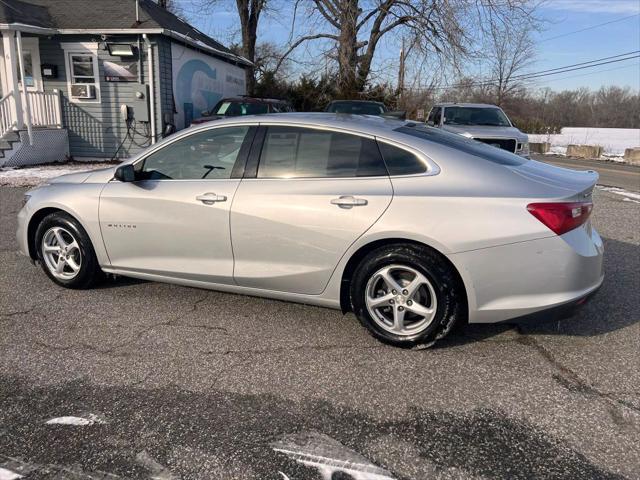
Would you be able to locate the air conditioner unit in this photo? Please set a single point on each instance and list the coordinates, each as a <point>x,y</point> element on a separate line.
<point>83,90</point>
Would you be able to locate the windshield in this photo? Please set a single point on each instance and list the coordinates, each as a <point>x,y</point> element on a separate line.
<point>356,108</point>
<point>464,144</point>
<point>493,117</point>
<point>232,109</point>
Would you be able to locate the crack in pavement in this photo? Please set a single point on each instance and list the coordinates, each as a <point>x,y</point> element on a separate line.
<point>30,309</point>
<point>110,351</point>
<point>571,381</point>
<point>250,353</point>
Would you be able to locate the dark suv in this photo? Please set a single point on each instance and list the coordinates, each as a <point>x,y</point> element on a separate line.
<point>236,106</point>
<point>363,107</point>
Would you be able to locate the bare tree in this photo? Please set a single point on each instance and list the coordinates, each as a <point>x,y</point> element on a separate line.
<point>510,53</point>
<point>446,28</point>
<point>249,12</point>
<point>172,6</point>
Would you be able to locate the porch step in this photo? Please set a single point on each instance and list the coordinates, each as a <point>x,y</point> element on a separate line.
<point>7,142</point>
<point>11,137</point>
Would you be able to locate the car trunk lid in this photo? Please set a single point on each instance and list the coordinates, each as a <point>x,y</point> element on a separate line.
<point>569,184</point>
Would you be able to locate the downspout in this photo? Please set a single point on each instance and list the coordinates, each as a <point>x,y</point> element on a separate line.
<point>27,100</point>
<point>152,90</point>
<point>139,60</point>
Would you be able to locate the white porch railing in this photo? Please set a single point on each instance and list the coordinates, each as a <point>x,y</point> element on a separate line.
<point>7,117</point>
<point>46,109</point>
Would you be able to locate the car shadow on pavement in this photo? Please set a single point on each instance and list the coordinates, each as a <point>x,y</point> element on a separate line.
<point>117,281</point>
<point>616,305</point>
<point>225,434</point>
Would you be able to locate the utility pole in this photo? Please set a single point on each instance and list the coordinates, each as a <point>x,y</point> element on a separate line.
<point>401,75</point>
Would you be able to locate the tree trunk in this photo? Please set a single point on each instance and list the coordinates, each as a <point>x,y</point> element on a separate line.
<point>249,12</point>
<point>347,50</point>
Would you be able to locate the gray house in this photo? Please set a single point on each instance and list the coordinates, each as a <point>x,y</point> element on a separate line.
<point>102,79</point>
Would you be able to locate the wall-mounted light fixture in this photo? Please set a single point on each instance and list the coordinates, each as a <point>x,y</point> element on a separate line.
<point>120,49</point>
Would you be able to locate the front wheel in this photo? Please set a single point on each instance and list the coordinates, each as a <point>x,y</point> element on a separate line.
<point>65,252</point>
<point>407,295</point>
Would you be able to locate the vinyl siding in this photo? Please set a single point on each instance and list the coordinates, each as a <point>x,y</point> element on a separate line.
<point>95,129</point>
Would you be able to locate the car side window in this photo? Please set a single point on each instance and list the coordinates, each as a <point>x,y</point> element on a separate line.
<point>291,152</point>
<point>400,161</point>
<point>205,155</point>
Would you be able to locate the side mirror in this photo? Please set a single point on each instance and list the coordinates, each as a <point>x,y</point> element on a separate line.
<point>204,113</point>
<point>431,123</point>
<point>125,173</point>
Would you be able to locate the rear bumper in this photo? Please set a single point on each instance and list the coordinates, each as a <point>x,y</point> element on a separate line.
<point>522,279</point>
<point>553,314</point>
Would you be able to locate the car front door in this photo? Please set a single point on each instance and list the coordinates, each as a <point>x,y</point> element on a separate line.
<point>307,195</point>
<point>173,220</point>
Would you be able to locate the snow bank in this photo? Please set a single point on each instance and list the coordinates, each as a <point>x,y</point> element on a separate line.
<point>628,196</point>
<point>31,176</point>
<point>613,140</point>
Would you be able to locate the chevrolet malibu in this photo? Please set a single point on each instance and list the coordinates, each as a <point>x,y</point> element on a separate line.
<point>411,228</point>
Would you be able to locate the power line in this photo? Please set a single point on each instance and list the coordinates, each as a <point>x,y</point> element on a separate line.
<point>589,28</point>
<point>583,74</point>
<point>554,71</point>
<point>578,64</point>
<point>579,68</point>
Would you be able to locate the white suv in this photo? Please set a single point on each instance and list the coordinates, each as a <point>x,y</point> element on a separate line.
<point>483,122</point>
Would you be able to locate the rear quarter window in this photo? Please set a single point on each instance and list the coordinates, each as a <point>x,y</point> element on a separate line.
<point>400,161</point>
<point>466,145</point>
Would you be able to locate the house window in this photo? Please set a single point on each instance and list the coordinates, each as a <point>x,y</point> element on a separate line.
<point>28,70</point>
<point>82,73</point>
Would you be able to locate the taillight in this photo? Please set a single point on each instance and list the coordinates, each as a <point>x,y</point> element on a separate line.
<point>561,217</point>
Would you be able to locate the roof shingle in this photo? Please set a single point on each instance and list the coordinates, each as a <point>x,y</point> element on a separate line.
<point>99,15</point>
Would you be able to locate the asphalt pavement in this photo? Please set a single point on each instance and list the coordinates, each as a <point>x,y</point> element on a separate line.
<point>612,174</point>
<point>147,380</point>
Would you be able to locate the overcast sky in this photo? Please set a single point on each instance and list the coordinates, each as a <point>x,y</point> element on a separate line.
<point>562,17</point>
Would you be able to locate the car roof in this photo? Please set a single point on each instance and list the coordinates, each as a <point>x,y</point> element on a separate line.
<point>356,101</point>
<point>476,105</point>
<point>364,124</point>
<point>253,100</point>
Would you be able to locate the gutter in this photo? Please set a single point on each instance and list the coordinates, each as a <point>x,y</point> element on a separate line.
<point>152,84</point>
<point>127,31</point>
<point>203,46</point>
<point>22,27</point>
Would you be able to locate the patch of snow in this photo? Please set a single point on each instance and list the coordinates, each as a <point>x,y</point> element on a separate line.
<point>76,421</point>
<point>629,196</point>
<point>32,176</point>
<point>557,150</point>
<point>328,456</point>
<point>8,474</point>
<point>614,141</point>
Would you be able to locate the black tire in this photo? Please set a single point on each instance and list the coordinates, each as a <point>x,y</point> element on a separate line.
<point>89,272</point>
<point>450,305</point>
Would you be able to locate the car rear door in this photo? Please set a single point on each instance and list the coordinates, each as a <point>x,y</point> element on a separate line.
<point>173,220</point>
<point>307,195</point>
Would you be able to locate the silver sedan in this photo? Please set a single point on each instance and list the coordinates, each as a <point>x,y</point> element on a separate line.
<point>411,228</point>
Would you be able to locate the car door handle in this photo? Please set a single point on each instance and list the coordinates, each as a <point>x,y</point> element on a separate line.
<point>348,201</point>
<point>211,198</point>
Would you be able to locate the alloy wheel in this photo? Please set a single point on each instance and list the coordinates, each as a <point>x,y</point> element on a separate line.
<point>401,300</point>
<point>61,253</point>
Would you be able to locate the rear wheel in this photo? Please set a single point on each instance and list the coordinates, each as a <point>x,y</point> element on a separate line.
<point>65,252</point>
<point>407,295</point>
